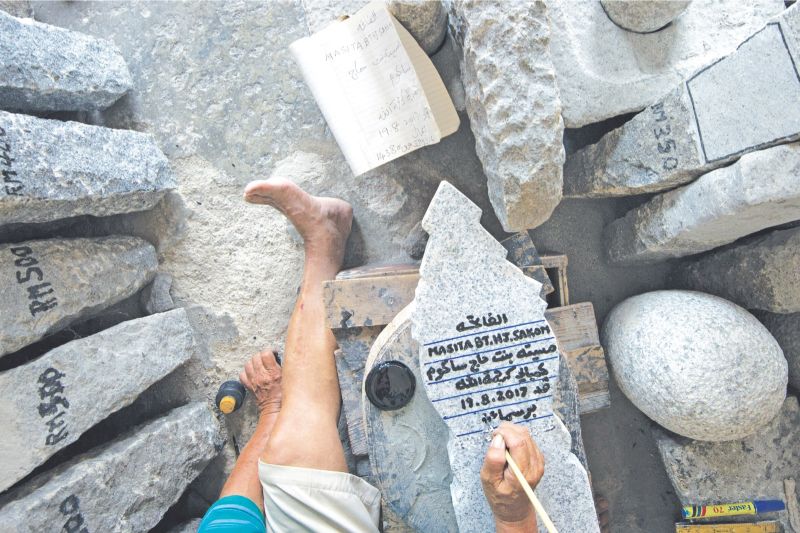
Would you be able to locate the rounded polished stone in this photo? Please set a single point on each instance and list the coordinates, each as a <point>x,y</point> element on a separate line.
<point>697,364</point>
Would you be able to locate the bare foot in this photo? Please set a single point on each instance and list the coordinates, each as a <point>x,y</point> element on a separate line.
<point>262,376</point>
<point>324,223</point>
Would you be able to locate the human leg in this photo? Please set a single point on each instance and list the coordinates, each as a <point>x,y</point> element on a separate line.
<point>305,433</point>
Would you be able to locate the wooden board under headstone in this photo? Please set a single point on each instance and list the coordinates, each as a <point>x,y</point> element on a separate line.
<point>487,355</point>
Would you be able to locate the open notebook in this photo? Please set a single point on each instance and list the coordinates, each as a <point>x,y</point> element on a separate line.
<point>378,90</point>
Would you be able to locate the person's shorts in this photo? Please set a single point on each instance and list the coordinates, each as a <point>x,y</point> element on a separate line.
<point>305,499</point>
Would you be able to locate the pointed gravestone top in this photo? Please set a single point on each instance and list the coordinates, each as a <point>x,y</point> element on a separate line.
<point>487,354</point>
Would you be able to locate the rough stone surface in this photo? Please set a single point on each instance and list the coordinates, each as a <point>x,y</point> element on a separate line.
<point>759,191</point>
<point>786,330</point>
<point>17,8</point>
<point>53,169</point>
<point>46,68</point>
<point>465,281</point>
<point>513,105</point>
<point>187,527</point>
<point>425,20</point>
<point>416,241</point>
<point>155,297</point>
<point>643,16</point>
<point>743,470</point>
<point>725,110</point>
<point>57,397</point>
<point>761,273</point>
<point>604,71</point>
<point>696,364</point>
<point>58,281</point>
<point>125,486</point>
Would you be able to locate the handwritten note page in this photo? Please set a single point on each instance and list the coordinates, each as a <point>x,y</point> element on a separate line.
<point>379,92</point>
<point>495,368</point>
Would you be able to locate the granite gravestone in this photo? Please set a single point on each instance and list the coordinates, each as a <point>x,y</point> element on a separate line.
<point>51,401</point>
<point>52,169</point>
<point>47,68</point>
<point>52,283</point>
<point>747,101</point>
<point>124,486</point>
<point>411,466</point>
<point>760,190</point>
<point>487,355</point>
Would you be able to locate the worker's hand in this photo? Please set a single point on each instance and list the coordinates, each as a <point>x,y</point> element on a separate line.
<point>262,376</point>
<point>506,497</point>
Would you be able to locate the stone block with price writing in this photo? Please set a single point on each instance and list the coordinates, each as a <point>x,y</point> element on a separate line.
<point>52,400</point>
<point>47,68</point>
<point>52,170</point>
<point>488,355</point>
<point>759,191</point>
<point>124,486</point>
<point>747,101</point>
<point>52,283</point>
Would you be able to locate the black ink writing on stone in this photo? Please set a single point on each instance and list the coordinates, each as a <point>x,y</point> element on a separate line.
<point>489,398</point>
<point>508,415</point>
<point>71,508</point>
<point>13,186</point>
<point>483,341</point>
<point>489,320</point>
<point>664,143</point>
<point>53,405</point>
<point>41,297</point>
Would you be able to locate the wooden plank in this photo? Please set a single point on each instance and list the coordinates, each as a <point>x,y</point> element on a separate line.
<point>574,326</point>
<point>350,387</point>
<point>556,266</point>
<point>376,300</point>
<point>372,301</point>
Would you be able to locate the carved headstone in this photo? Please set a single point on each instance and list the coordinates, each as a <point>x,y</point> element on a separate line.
<point>410,465</point>
<point>127,485</point>
<point>46,68</point>
<point>52,283</point>
<point>727,109</point>
<point>759,191</point>
<point>51,401</point>
<point>762,273</point>
<point>52,169</point>
<point>487,355</point>
<point>513,105</point>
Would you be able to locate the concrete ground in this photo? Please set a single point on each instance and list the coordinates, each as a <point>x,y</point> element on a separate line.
<point>215,85</point>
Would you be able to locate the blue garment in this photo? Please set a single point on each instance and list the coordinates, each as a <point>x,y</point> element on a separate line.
<point>233,514</point>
